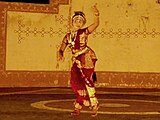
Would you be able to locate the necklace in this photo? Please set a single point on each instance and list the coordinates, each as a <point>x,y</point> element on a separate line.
<point>73,36</point>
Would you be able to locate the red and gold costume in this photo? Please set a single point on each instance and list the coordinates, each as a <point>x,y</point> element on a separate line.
<point>84,60</point>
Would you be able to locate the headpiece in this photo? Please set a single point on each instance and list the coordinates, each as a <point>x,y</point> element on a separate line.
<point>79,14</point>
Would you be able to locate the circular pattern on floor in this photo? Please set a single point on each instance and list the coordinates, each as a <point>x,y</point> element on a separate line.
<point>107,106</point>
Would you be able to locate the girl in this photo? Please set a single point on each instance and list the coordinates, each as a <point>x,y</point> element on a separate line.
<point>84,60</point>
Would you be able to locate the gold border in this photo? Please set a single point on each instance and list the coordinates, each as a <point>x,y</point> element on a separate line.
<point>26,78</point>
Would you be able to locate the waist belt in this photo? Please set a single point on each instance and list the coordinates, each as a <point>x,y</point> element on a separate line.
<point>76,53</point>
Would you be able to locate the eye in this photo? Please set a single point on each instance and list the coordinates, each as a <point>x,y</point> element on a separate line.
<point>78,21</point>
<point>75,21</point>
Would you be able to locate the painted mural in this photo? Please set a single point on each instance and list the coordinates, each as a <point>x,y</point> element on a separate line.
<point>126,43</point>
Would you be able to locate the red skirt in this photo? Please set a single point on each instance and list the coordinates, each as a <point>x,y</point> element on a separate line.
<point>78,82</point>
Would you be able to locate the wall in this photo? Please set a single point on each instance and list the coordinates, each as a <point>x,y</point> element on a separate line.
<point>126,43</point>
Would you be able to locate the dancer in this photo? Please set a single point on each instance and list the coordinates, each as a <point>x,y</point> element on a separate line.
<point>84,60</point>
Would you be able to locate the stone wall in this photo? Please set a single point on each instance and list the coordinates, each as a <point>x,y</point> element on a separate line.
<point>126,43</point>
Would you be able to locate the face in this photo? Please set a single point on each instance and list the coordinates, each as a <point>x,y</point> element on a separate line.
<point>78,23</point>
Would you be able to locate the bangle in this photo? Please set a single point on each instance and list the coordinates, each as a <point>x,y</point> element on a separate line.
<point>96,14</point>
<point>61,52</point>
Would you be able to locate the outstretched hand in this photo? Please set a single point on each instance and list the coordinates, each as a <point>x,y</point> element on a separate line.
<point>95,9</point>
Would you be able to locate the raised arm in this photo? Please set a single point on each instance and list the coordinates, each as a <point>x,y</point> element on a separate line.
<point>93,26</point>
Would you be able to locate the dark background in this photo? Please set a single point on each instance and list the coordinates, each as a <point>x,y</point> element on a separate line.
<point>28,1</point>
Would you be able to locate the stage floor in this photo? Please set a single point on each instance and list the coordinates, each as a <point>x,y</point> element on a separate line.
<point>57,103</point>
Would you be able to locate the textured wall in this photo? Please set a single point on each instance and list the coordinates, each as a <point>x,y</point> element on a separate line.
<point>126,43</point>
